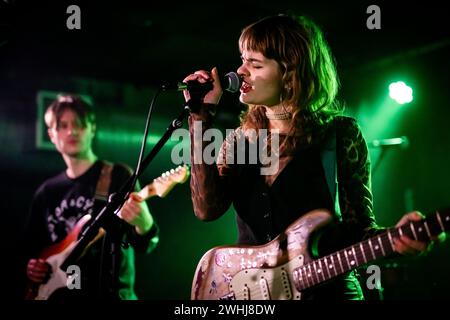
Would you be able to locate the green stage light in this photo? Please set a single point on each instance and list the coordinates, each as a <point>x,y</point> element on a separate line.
<point>400,92</point>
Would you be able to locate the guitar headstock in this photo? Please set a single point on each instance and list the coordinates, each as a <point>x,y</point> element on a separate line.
<point>162,185</point>
<point>178,175</point>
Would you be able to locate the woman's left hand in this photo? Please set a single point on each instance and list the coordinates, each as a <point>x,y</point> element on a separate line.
<point>407,246</point>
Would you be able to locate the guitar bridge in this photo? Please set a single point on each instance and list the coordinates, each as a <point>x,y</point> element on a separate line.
<point>229,296</point>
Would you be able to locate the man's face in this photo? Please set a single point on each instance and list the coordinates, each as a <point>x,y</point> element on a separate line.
<point>69,135</point>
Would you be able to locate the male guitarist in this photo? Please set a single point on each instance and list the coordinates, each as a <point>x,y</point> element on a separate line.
<point>106,269</point>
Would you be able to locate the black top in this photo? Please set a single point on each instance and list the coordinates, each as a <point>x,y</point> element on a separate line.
<point>263,211</point>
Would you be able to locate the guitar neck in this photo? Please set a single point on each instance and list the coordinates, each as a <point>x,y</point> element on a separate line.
<point>92,234</point>
<point>160,187</point>
<point>377,247</point>
<point>148,191</point>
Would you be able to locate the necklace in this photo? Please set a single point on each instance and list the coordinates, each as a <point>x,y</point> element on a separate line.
<point>279,116</point>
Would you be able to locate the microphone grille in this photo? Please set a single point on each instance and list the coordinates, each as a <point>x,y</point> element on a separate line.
<point>233,82</point>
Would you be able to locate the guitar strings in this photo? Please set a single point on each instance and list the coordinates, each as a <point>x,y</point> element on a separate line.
<point>364,255</point>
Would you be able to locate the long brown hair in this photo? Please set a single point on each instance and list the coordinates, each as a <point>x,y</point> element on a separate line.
<point>310,81</point>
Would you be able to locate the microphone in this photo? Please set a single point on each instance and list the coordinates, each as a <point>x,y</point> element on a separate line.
<point>230,82</point>
<point>382,143</point>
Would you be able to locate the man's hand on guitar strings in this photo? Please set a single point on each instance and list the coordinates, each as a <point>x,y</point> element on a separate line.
<point>136,213</point>
<point>38,270</point>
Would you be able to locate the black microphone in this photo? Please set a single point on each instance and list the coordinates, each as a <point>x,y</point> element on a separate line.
<point>230,82</point>
<point>382,143</point>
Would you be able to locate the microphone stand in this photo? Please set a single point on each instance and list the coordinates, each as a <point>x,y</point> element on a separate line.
<point>403,142</point>
<point>107,215</point>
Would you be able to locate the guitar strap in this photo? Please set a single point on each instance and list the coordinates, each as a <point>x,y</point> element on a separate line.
<point>329,163</point>
<point>101,196</point>
<point>102,189</point>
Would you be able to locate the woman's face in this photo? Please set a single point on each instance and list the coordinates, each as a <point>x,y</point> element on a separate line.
<point>262,77</point>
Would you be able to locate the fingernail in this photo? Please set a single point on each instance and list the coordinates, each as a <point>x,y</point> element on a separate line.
<point>136,197</point>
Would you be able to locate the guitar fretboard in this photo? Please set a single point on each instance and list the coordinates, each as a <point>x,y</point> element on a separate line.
<point>382,245</point>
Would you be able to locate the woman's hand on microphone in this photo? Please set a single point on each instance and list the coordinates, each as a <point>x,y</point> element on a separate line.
<point>202,76</point>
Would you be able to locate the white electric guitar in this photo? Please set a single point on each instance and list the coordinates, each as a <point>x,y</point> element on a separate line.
<point>57,254</point>
<point>283,268</point>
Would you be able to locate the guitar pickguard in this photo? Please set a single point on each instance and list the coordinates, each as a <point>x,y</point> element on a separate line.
<point>58,278</point>
<point>267,283</point>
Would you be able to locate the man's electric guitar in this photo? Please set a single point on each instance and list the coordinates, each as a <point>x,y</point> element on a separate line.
<point>283,268</point>
<point>56,254</point>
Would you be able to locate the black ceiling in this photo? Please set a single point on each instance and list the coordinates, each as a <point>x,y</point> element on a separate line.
<point>151,42</point>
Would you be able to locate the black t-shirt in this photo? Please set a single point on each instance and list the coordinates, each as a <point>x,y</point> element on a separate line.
<point>57,206</point>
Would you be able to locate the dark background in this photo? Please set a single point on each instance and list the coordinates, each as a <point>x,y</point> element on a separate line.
<point>125,51</point>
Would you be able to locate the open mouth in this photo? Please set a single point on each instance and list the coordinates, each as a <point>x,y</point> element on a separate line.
<point>245,87</point>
